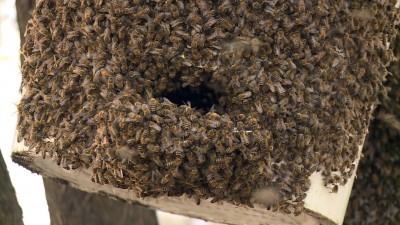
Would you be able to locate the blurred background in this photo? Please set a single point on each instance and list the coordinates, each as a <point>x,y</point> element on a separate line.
<point>28,186</point>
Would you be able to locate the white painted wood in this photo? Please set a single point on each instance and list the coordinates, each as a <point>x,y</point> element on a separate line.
<point>331,205</point>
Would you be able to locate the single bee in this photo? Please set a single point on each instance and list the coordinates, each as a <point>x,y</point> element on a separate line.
<point>210,23</point>
<point>119,81</point>
<point>225,6</point>
<point>155,126</point>
<point>335,189</point>
<point>245,95</point>
<point>153,148</point>
<point>201,158</point>
<point>301,6</point>
<point>244,138</point>
<point>145,109</point>
<point>322,33</point>
<point>177,149</point>
<point>280,124</point>
<point>88,14</point>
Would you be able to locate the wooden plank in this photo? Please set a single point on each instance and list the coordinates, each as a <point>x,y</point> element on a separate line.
<point>322,206</point>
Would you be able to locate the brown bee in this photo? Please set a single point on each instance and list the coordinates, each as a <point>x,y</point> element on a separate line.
<point>198,41</point>
<point>97,177</point>
<point>360,73</point>
<point>89,13</point>
<point>153,105</point>
<point>201,158</point>
<point>352,169</point>
<point>155,126</point>
<point>227,24</point>
<point>322,33</point>
<point>280,125</point>
<point>168,179</point>
<point>210,23</point>
<point>244,95</point>
<point>225,6</point>
<point>244,137</point>
<point>301,6</point>
<point>153,148</point>
<point>335,189</point>
<point>143,12</point>
<point>145,109</point>
<point>119,81</point>
<point>192,171</point>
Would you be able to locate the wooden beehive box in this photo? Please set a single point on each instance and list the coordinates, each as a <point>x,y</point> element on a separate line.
<point>277,98</point>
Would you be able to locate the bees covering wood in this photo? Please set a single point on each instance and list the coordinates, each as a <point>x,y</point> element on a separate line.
<point>97,85</point>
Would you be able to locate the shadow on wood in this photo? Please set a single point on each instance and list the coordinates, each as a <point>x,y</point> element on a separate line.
<point>68,205</point>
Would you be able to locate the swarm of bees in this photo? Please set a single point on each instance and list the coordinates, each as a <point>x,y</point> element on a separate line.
<point>295,83</point>
<point>375,196</point>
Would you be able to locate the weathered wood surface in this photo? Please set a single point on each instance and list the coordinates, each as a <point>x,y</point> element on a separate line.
<point>10,211</point>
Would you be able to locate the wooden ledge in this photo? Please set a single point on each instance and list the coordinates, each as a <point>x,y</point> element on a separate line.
<point>322,206</point>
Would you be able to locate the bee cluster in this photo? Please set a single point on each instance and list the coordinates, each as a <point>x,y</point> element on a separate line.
<point>296,81</point>
<point>375,196</point>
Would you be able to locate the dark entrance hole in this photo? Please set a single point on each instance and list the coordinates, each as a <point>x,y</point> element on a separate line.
<point>202,97</point>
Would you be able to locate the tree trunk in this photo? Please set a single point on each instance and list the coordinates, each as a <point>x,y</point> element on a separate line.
<point>24,13</point>
<point>10,212</point>
<point>71,206</point>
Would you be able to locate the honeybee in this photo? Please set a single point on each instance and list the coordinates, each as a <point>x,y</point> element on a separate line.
<point>177,148</point>
<point>153,105</point>
<point>352,168</point>
<point>360,73</point>
<point>335,189</point>
<point>186,124</point>
<point>143,13</point>
<point>198,41</point>
<point>244,138</point>
<point>192,171</point>
<point>321,11</point>
<point>280,90</point>
<point>210,23</point>
<point>301,6</point>
<point>145,109</point>
<point>153,148</point>
<point>174,11</point>
<point>245,95</point>
<point>227,24</point>
<point>155,126</point>
<point>322,33</point>
<point>186,143</point>
<point>119,81</point>
<point>97,177</point>
<point>225,6</point>
<point>88,14</point>
<point>168,179</point>
<point>280,124</point>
